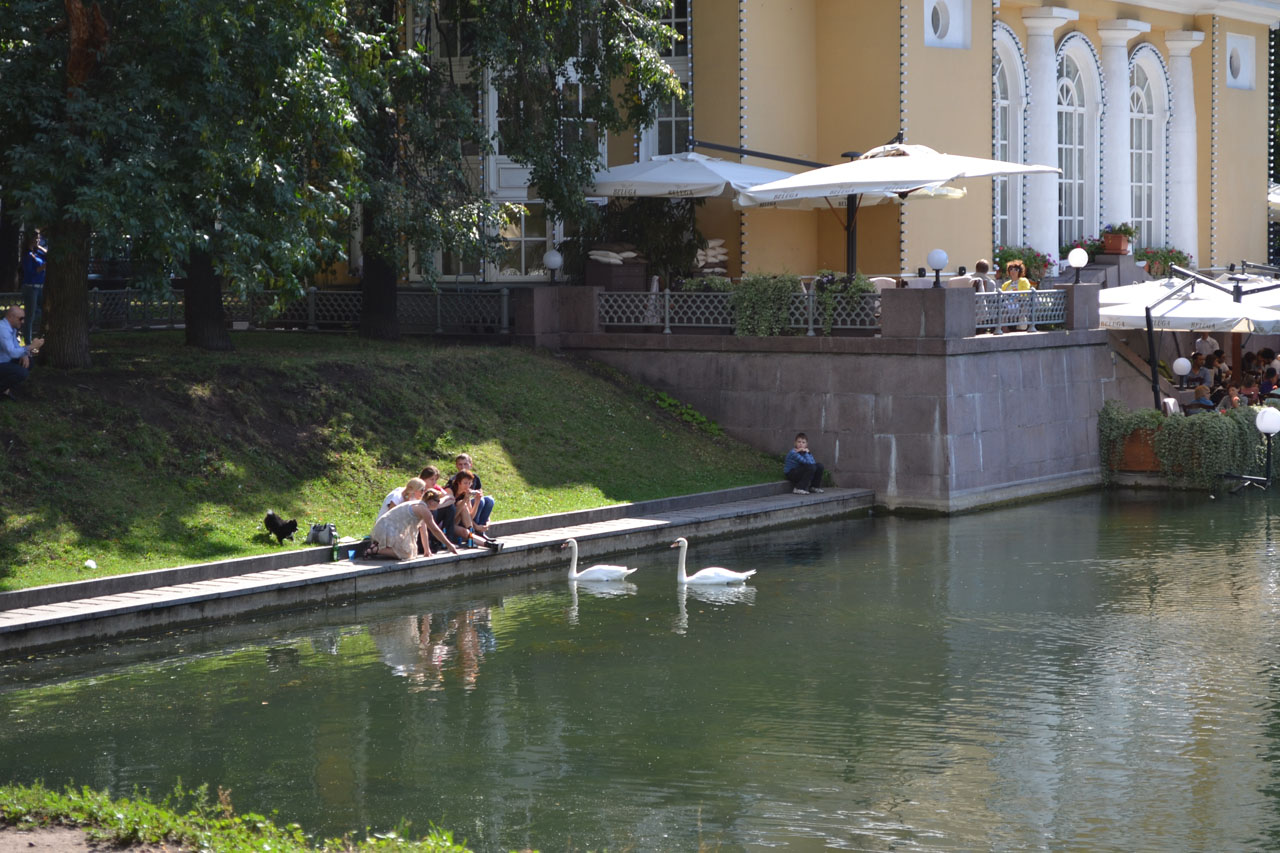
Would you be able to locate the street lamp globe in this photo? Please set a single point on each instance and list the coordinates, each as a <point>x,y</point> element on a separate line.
<point>1268,421</point>
<point>552,260</point>
<point>937,261</point>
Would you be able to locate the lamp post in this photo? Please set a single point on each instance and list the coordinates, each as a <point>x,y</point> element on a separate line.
<point>1268,423</point>
<point>1181,367</point>
<point>937,261</point>
<point>1078,258</point>
<point>553,261</point>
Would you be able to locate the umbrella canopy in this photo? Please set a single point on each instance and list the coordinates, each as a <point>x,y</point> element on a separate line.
<point>893,168</point>
<point>1273,202</point>
<point>842,201</point>
<point>1193,315</point>
<point>686,175</point>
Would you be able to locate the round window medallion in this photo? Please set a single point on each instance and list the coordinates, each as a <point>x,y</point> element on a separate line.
<point>940,20</point>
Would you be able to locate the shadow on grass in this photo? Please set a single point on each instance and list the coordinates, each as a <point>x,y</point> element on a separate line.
<point>160,453</point>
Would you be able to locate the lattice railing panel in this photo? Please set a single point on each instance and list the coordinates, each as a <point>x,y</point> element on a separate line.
<point>615,308</point>
<point>1047,307</point>
<point>853,311</point>
<point>701,309</point>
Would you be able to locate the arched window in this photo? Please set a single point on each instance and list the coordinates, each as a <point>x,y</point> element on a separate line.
<point>1008,103</point>
<point>1148,117</point>
<point>1079,107</point>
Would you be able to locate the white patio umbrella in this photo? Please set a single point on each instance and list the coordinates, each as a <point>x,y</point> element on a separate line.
<point>1193,314</point>
<point>895,168</point>
<point>686,175</point>
<point>1273,202</point>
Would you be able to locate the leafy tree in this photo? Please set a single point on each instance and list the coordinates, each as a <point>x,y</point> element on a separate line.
<point>196,129</point>
<point>563,73</point>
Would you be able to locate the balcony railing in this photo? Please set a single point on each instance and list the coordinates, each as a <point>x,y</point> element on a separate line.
<point>1034,307</point>
<point>677,310</point>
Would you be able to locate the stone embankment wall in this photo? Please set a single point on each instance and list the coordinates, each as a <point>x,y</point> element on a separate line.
<point>928,415</point>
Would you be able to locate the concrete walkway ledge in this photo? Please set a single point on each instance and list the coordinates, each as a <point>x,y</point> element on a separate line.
<point>143,601</point>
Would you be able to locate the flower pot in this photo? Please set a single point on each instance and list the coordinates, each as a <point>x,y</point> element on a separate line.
<point>1139,452</point>
<point>1115,244</point>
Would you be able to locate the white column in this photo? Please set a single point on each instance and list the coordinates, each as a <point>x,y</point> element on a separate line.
<point>1042,123</point>
<point>1116,174</point>
<point>1184,221</point>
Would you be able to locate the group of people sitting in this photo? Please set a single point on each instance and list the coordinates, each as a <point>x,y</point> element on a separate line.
<point>1216,390</point>
<point>424,515</point>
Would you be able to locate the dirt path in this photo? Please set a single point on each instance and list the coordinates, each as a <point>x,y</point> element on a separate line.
<point>60,839</point>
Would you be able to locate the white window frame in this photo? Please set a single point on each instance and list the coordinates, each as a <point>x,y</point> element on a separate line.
<point>1079,151</point>
<point>1153,229</point>
<point>1008,135</point>
<point>679,55</point>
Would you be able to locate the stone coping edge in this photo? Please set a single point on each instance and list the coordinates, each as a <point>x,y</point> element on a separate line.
<point>341,584</point>
<point>136,581</point>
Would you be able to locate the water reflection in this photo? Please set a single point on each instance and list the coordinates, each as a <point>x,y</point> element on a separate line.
<point>597,589</point>
<point>709,594</point>
<point>1097,673</point>
<point>426,648</point>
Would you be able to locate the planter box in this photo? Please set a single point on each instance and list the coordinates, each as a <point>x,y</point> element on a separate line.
<point>624,277</point>
<point>1140,453</point>
<point>1115,244</point>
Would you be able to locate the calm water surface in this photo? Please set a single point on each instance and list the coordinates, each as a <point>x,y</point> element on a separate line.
<point>1093,673</point>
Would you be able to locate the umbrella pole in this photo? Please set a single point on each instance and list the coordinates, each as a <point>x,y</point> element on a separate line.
<point>851,234</point>
<point>1151,356</point>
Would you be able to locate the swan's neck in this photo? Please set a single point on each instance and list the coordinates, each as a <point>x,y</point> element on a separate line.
<point>680,575</point>
<point>573,560</point>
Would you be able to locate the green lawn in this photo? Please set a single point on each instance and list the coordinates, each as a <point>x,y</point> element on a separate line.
<point>191,820</point>
<point>161,455</point>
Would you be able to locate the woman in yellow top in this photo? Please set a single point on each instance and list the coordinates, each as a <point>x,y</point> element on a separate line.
<point>1018,281</point>
<point>1017,277</point>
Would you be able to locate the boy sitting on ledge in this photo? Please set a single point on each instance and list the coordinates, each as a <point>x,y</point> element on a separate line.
<point>804,472</point>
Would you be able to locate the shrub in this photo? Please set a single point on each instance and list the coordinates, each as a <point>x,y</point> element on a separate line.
<point>828,286</point>
<point>1194,452</point>
<point>762,304</point>
<point>1091,245</point>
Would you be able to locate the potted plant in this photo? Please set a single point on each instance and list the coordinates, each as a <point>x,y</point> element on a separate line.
<point>1115,238</point>
<point>1159,261</point>
<point>1034,262</point>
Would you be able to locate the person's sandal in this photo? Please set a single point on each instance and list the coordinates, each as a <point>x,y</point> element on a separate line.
<point>493,544</point>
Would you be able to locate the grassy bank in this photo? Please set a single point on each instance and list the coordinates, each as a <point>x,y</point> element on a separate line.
<point>160,455</point>
<point>190,820</point>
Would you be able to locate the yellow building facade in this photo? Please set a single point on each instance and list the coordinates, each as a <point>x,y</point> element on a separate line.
<point>1158,113</point>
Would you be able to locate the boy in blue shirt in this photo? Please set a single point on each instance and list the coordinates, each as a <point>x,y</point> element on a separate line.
<point>804,472</point>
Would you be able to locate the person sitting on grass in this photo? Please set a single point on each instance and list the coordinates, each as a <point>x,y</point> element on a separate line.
<point>15,359</point>
<point>398,529</point>
<point>484,507</point>
<point>804,472</point>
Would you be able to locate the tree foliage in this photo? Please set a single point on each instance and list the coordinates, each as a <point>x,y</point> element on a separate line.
<point>231,138</point>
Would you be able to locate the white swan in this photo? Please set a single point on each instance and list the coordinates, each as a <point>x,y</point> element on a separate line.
<point>711,574</point>
<point>595,573</point>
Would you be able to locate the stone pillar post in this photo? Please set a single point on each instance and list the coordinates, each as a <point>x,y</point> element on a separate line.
<point>1116,177</point>
<point>1042,123</point>
<point>928,312</point>
<point>1184,221</point>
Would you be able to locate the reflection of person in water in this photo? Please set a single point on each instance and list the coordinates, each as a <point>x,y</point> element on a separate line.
<point>425,648</point>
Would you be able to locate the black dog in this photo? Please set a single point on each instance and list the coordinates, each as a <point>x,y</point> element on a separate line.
<point>278,527</point>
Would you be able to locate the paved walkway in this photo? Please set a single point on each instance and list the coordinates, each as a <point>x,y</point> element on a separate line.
<point>127,604</point>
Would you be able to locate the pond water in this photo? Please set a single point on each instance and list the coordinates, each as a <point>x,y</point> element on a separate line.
<point>1096,672</point>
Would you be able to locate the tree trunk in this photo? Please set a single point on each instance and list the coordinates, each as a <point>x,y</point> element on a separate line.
<point>202,309</point>
<point>378,317</point>
<point>66,294</point>
<point>10,250</point>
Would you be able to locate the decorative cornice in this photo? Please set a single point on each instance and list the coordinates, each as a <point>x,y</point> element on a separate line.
<point>1251,11</point>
